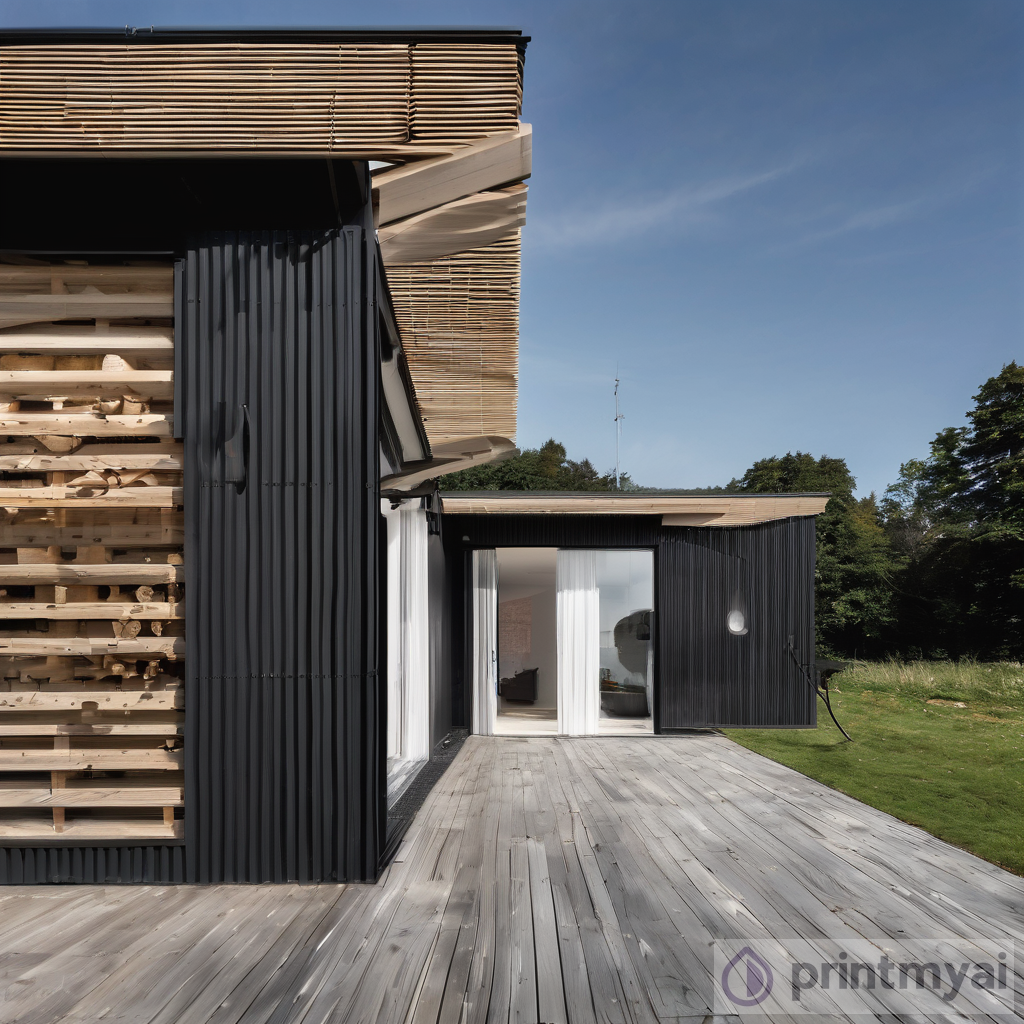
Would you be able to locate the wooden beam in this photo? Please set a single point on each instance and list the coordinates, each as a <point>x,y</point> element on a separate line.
<point>97,700</point>
<point>76,759</point>
<point>91,793</point>
<point>90,828</point>
<point>84,527</point>
<point>84,611</point>
<point>724,510</point>
<point>488,163</point>
<point>26,309</point>
<point>91,496</point>
<point>121,574</point>
<point>35,384</point>
<point>166,456</point>
<point>32,424</point>
<point>175,728</point>
<point>54,277</point>
<point>59,339</point>
<point>92,647</point>
<point>468,223</point>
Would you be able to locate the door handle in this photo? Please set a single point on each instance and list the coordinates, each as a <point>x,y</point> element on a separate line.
<point>236,450</point>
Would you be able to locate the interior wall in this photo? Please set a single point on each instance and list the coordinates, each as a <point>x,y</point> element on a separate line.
<point>528,575</point>
<point>545,648</point>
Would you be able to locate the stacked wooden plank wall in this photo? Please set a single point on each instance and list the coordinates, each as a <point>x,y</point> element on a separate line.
<point>384,98</point>
<point>91,567</point>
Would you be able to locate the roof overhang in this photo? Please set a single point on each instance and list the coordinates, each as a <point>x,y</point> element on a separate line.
<point>674,509</point>
<point>449,458</point>
<point>439,107</point>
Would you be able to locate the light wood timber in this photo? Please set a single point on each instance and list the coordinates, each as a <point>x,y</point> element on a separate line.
<point>110,573</point>
<point>62,496</point>
<point>92,793</point>
<point>72,527</point>
<point>30,424</point>
<point>93,759</point>
<point>75,384</point>
<point>90,828</point>
<point>162,456</point>
<point>84,611</point>
<point>485,164</point>
<point>64,339</point>
<point>16,310</point>
<point>130,728</point>
<point>95,700</point>
<point>371,99</point>
<point>57,277</point>
<point>728,510</point>
<point>463,353</point>
<point>469,223</point>
<point>136,647</point>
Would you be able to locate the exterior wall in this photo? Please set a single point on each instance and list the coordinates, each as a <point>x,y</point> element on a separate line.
<point>285,766</point>
<point>704,675</point>
<point>284,760</point>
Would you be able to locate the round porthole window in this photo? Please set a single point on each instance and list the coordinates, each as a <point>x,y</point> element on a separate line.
<point>737,623</point>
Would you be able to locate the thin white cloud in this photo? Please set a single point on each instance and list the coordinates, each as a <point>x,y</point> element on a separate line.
<point>876,217</point>
<point>682,207</point>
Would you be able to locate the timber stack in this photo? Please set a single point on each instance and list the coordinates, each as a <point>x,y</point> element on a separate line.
<point>91,574</point>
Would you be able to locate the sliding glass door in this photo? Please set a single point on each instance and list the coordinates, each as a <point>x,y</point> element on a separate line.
<point>564,644</point>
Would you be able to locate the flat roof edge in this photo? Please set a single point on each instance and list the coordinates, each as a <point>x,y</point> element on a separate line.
<point>634,495</point>
<point>265,34</point>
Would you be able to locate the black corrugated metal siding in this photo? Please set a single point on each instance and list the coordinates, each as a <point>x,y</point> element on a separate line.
<point>283,761</point>
<point>704,675</point>
<point>707,675</point>
<point>111,864</point>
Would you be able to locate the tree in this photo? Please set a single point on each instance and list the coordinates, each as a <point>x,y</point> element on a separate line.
<point>853,591</point>
<point>957,520</point>
<point>535,469</point>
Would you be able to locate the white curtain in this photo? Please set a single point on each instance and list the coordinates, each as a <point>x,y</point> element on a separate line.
<point>579,643</point>
<point>415,635</point>
<point>408,636</point>
<point>485,641</point>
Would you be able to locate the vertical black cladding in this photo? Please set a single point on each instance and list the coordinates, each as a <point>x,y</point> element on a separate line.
<point>705,675</point>
<point>710,676</point>
<point>277,342</point>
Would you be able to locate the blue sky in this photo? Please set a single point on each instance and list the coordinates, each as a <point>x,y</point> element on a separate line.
<point>791,225</point>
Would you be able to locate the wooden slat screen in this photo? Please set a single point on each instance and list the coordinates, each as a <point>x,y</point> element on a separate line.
<point>318,97</point>
<point>459,319</point>
<point>91,567</point>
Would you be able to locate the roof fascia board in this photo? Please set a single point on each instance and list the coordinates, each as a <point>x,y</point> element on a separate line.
<point>259,34</point>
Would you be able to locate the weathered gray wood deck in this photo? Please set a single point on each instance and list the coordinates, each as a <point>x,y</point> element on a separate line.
<point>544,880</point>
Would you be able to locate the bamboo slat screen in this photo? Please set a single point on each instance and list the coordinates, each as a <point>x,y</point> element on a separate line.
<point>320,97</point>
<point>91,567</point>
<point>459,320</point>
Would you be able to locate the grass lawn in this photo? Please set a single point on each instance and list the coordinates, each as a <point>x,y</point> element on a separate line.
<point>937,744</point>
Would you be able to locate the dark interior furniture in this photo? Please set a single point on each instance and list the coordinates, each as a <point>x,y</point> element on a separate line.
<point>624,703</point>
<point>520,687</point>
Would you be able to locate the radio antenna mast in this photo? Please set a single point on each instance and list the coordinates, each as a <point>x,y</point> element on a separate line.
<point>618,427</point>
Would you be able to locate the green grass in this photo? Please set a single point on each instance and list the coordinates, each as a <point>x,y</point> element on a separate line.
<point>957,772</point>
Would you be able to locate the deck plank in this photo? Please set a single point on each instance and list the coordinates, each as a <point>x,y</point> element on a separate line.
<point>552,879</point>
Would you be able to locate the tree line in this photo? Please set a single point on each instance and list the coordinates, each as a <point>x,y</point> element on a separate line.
<point>934,568</point>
